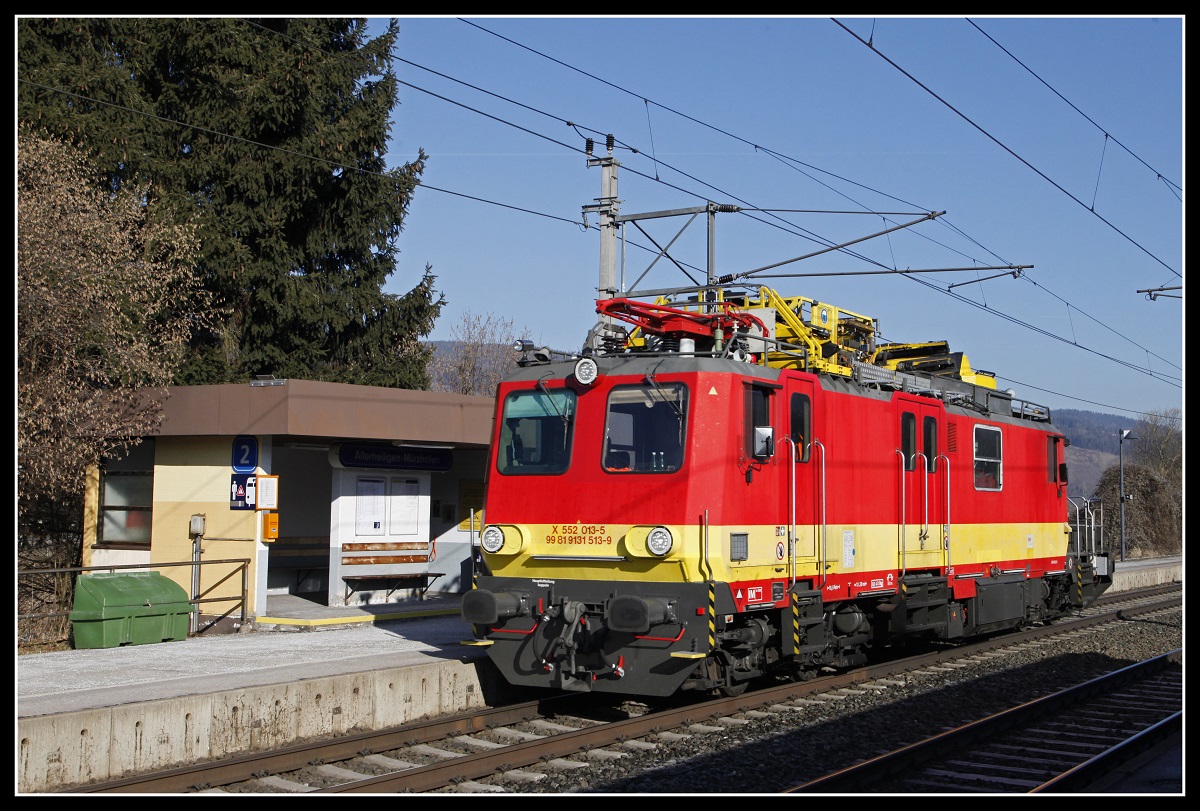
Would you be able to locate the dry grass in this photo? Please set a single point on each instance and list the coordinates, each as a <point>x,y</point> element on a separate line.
<point>43,591</point>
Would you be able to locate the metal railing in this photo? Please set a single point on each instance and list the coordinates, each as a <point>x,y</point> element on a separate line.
<point>1088,525</point>
<point>241,566</point>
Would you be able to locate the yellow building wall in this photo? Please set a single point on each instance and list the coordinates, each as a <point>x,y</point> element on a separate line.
<point>91,511</point>
<point>192,476</point>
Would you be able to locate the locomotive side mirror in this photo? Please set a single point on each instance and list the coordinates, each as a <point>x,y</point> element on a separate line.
<point>764,441</point>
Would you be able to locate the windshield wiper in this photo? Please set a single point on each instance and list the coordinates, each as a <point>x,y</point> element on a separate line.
<point>565,416</point>
<point>667,399</point>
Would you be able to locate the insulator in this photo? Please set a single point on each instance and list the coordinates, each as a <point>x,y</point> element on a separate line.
<point>589,146</point>
<point>612,343</point>
<point>608,142</point>
<point>726,279</point>
<point>727,208</point>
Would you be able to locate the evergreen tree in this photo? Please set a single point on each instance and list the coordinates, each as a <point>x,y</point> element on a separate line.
<point>274,130</point>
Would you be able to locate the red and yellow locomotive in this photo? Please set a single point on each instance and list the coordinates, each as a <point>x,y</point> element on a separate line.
<point>744,484</point>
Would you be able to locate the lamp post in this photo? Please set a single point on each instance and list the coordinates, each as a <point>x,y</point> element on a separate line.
<point>1122,436</point>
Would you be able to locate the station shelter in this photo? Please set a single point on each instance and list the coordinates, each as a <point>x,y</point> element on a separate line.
<point>342,493</point>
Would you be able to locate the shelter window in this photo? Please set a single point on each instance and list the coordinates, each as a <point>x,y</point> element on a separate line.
<point>127,499</point>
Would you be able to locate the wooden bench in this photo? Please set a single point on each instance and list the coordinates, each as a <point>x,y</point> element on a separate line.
<point>392,582</point>
<point>387,554</point>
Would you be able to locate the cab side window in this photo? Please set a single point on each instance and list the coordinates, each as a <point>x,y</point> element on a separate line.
<point>760,435</point>
<point>929,429</point>
<point>908,439</point>
<point>800,422</point>
<point>989,468</point>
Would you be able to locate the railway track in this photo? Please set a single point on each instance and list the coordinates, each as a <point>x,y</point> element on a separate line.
<point>1061,743</point>
<point>506,748</point>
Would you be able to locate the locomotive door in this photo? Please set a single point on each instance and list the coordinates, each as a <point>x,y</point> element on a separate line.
<point>806,500</point>
<point>923,497</point>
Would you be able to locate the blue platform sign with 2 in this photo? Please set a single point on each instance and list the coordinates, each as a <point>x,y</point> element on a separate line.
<point>245,454</point>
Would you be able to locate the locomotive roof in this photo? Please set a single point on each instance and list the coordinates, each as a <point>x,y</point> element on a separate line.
<point>866,380</point>
<point>639,363</point>
<point>759,333</point>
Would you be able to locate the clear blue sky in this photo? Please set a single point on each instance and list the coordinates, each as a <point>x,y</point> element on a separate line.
<point>1000,122</point>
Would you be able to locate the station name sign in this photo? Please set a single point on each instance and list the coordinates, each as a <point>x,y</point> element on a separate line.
<point>358,454</point>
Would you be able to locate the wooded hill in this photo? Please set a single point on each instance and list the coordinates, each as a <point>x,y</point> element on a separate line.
<point>1094,445</point>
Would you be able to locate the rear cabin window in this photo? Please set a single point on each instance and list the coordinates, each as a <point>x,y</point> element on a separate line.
<point>989,469</point>
<point>536,433</point>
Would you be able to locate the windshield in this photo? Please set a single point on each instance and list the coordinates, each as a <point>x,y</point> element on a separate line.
<point>536,432</point>
<point>645,428</point>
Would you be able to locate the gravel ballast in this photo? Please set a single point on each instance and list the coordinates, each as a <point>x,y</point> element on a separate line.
<point>778,751</point>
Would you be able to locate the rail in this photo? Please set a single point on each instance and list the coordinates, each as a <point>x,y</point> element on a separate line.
<point>240,566</point>
<point>1008,752</point>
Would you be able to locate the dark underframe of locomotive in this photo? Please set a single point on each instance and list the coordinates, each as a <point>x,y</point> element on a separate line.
<point>582,641</point>
<point>797,642</point>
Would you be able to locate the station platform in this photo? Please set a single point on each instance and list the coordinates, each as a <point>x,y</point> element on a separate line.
<point>288,612</point>
<point>351,637</point>
<point>301,670</point>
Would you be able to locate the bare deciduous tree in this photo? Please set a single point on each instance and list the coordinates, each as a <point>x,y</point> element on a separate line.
<point>1153,486</point>
<point>106,301</point>
<point>1159,444</point>
<point>477,356</point>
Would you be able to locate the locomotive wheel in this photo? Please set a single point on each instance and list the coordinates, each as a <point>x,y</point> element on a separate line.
<point>734,690</point>
<point>720,672</point>
<point>801,673</point>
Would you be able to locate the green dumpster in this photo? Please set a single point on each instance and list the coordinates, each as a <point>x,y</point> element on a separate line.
<point>138,608</point>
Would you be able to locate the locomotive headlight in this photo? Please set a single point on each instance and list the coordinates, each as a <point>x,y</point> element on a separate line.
<point>659,541</point>
<point>492,539</point>
<point>586,371</point>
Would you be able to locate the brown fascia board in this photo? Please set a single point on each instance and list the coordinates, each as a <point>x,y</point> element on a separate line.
<point>312,408</point>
